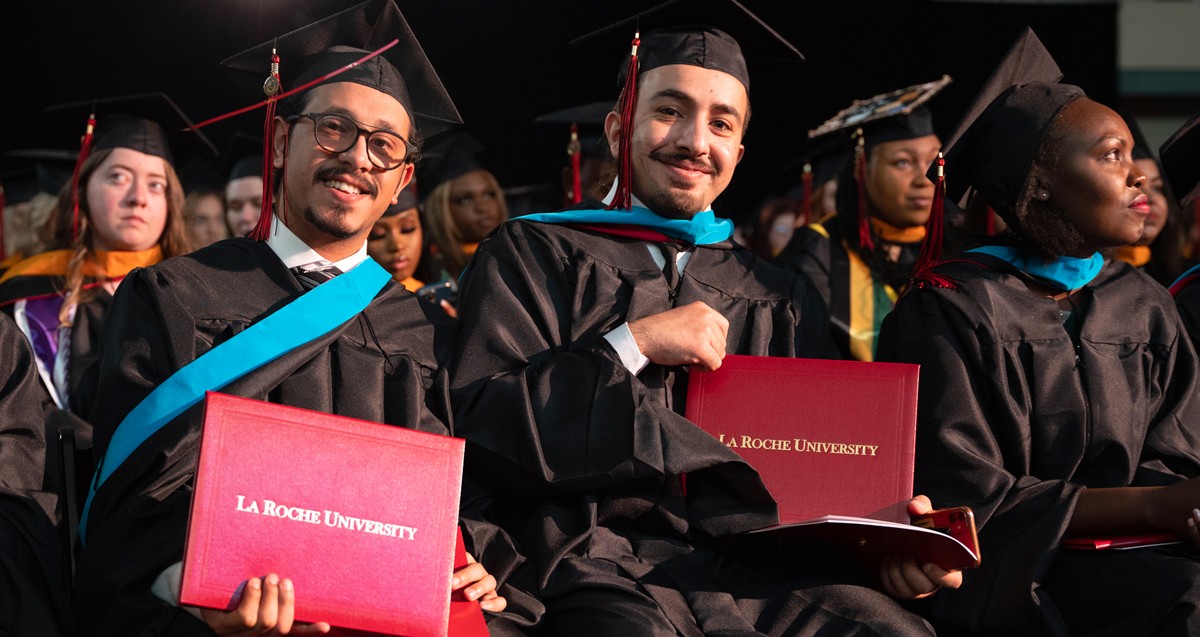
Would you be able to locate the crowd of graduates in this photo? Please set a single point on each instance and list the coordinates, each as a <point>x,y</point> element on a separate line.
<point>1023,260</point>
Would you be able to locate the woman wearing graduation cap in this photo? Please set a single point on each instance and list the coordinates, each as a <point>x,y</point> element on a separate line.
<point>862,257</point>
<point>123,210</point>
<point>463,202</point>
<point>1057,394</point>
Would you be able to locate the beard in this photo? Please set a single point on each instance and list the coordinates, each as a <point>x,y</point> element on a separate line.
<point>331,223</point>
<point>668,201</point>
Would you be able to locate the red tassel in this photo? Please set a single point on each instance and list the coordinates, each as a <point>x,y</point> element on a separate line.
<point>573,150</point>
<point>806,190</point>
<point>860,175</point>
<point>991,221</point>
<point>272,88</point>
<point>85,149</point>
<point>623,199</point>
<point>931,248</point>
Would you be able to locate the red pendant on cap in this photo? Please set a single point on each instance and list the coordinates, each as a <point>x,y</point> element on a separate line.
<point>931,248</point>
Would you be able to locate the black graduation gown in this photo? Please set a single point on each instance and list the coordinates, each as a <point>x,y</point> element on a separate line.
<point>81,365</point>
<point>33,577</point>
<point>1188,304</point>
<point>380,366</point>
<point>825,259</point>
<point>586,458</point>
<point>1013,426</point>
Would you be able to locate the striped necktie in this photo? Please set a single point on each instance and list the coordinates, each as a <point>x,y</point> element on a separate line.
<point>313,274</point>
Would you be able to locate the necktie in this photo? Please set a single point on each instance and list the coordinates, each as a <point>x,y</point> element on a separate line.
<point>313,274</point>
<point>670,269</point>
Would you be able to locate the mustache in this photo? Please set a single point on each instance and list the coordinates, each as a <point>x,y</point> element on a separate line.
<point>683,160</point>
<point>333,172</point>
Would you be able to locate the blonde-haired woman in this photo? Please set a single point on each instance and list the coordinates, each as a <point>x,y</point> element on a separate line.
<point>462,203</point>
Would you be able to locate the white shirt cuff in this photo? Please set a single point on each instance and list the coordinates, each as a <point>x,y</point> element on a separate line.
<point>167,585</point>
<point>622,340</point>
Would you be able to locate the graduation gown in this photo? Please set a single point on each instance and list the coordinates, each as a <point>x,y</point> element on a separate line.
<point>33,576</point>
<point>379,366</point>
<point>857,297</point>
<point>1016,416</point>
<point>587,458</point>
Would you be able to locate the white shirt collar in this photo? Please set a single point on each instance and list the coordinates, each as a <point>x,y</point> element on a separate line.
<point>294,252</point>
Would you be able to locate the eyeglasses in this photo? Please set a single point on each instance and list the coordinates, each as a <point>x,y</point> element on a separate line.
<point>338,133</point>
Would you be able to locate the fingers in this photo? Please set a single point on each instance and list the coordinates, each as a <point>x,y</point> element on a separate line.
<point>919,505</point>
<point>246,613</point>
<point>902,579</point>
<point>468,574</point>
<point>268,608</point>
<point>942,577</point>
<point>494,603</point>
<point>449,309</point>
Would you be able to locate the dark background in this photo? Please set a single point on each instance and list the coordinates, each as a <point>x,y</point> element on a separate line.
<point>506,62</point>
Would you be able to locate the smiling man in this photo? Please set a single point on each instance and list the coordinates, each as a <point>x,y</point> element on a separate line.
<point>342,151</point>
<point>572,402</point>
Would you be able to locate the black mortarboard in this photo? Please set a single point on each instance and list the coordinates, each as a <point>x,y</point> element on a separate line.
<point>243,157</point>
<point>402,71</point>
<point>709,34</point>
<point>589,121</point>
<point>995,144</point>
<point>406,201</point>
<point>891,116</point>
<point>25,173</point>
<point>449,156</point>
<point>712,34</point>
<point>150,123</point>
<point>1141,148</point>
<point>1180,156</point>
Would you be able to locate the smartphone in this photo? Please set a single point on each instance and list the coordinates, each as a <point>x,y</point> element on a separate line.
<point>441,291</point>
<point>957,522</point>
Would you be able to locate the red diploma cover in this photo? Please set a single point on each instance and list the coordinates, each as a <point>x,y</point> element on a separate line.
<point>361,516</point>
<point>833,442</point>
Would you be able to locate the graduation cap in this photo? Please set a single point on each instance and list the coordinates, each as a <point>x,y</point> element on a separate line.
<point>354,45</point>
<point>406,201</point>
<point>1180,156</point>
<point>325,46</point>
<point>243,157</point>
<point>586,122</point>
<point>998,139</point>
<point>995,144</point>
<point>150,123</point>
<point>670,34</point>
<point>892,116</point>
<point>448,156</point>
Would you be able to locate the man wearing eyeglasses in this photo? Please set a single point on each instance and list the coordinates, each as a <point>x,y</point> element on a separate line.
<point>341,152</point>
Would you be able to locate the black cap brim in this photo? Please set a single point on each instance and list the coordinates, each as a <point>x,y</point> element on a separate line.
<point>330,44</point>
<point>149,123</point>
<point>448,156</point>
<point>756,41</point>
